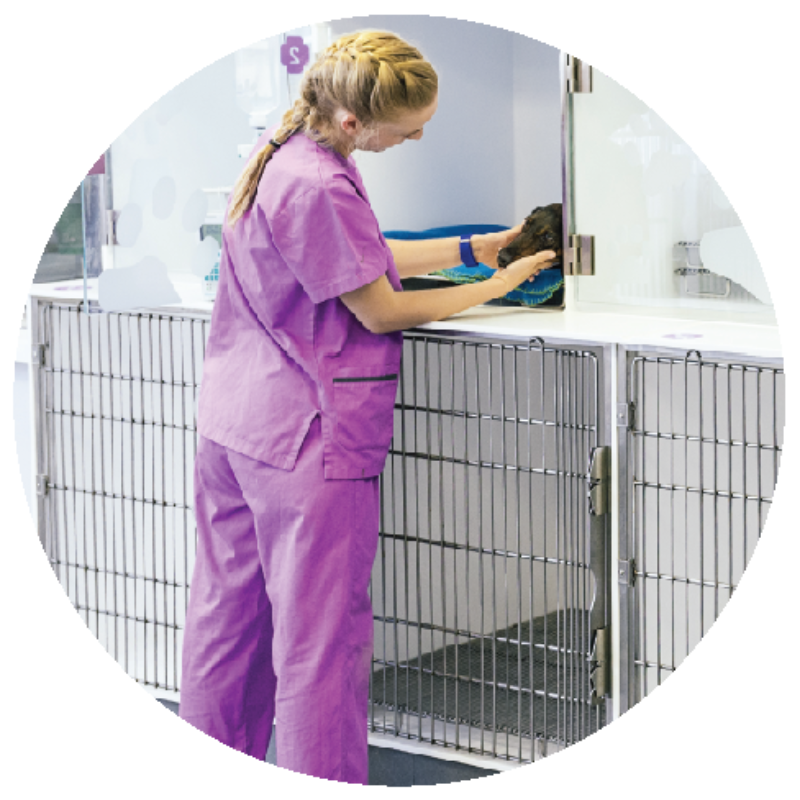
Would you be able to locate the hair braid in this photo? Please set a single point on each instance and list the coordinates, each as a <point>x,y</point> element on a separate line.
<point>374,75</point>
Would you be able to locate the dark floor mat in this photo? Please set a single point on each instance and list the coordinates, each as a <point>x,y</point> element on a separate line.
<point>498,683</point>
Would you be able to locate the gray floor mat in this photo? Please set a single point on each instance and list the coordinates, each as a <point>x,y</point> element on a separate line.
<point>498,683</point>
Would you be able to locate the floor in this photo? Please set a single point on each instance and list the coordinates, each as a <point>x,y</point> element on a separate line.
<point>388,767</point>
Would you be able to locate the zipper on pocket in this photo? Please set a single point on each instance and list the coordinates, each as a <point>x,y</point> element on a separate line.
<point>359,380</point>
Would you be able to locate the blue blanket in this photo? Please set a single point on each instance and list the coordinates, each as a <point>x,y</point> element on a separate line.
<point>542,288</point>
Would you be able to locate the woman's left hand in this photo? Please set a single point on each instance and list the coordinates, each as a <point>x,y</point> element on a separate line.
<point>487,246</point>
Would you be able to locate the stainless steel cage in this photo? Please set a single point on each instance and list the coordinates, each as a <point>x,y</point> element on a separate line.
<point>703,441</point>
<point>116,439</point>
<point>490,592</point>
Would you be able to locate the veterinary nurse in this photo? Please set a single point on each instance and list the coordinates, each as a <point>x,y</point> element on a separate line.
<point>295,414</point>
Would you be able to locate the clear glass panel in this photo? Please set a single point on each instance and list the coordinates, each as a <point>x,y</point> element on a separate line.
<point>665,233</point>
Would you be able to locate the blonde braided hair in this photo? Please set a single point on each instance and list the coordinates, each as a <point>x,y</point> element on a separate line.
<point>374,75</point>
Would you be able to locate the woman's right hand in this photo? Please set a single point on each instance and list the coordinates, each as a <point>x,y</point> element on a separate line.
<point>522,270</point>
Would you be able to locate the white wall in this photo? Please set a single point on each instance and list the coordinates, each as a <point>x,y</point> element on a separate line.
<point>490,155</point>
<point>190,136</point>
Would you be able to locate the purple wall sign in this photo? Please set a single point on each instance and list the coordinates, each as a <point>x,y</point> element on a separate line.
<point>100,166</point>
<point>294,54</point>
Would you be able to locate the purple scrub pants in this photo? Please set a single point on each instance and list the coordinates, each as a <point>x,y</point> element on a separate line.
<point>279,624</point>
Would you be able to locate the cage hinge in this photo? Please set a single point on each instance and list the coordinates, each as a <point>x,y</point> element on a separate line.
<point>42,484</point>
<point>37,355</point>
<point>599,480</point>
<point>627,572</point>
<point>579,255</point>
<point>626,415</point>
<point>578,75</point>
<point>599,666</point>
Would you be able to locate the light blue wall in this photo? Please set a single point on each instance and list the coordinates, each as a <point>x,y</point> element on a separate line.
<point>492,151</point>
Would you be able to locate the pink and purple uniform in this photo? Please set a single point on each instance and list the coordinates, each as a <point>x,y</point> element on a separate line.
<point>295,418</point>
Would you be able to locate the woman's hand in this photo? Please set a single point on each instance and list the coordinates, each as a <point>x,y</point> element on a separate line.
<point>523,269</point>
<point>486,246</point>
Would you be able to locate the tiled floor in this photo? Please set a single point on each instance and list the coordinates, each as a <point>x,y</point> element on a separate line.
<point>388,767</point>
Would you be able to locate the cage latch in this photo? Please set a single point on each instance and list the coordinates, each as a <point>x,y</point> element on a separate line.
<point>37,355</point>
<point>42,483</point>
<point>627,572</point>
<point>599,666</point>
<point>599,477</point>
<point>626,415</point>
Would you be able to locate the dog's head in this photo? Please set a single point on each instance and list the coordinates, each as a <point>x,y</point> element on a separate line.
<point>542,230</point>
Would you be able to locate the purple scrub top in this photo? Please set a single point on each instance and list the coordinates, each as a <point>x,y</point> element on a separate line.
<point>283,348</point>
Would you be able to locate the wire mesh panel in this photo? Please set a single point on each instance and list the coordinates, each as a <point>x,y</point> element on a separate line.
<point>482,588</point>
<point>116,416</point>
<point>704,450</point>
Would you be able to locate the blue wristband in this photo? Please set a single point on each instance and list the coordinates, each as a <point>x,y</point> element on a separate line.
<point>467,256</point>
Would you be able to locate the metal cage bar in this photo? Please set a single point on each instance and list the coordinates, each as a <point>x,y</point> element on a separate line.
<point>704,441</point>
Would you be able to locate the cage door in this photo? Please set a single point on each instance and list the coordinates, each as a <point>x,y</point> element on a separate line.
<point>703,439</point>
<point>483,588</point>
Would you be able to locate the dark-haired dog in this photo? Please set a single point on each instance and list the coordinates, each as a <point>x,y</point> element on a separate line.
<point>541,230</point>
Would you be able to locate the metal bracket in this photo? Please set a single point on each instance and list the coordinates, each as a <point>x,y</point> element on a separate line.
<point>626,415</point>
<point>38,355</point>
<point>579,75</point>
<point>627,573</point>
<point>579,256</point>
<point>599,666</point>
<point>42,483</point>
<point>599,480</point>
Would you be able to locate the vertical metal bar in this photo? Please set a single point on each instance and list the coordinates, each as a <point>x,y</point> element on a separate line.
<point>744,467</point>
<point>558,384</point>
<point>114,565</point>
<point>643,538</point>
<point>481,580</point>
<point>408,345</point>
<point>94,494</point>
<point>659,657</point>
<point>419,552</point>
<point>673,484</point>
<point>99,496</point>
<point>493,547</point>
<point>714,457</point>
<point>80,563</point>
<point>686,505</point>
<point>545,651</point>
<point>504,506</point>
<point>531,549</point>
<point>442,575</point>
<point>731,452</point>
<point>518,548</point>
<point>624,498</point>
<point>702,496</point>
<point>164,581</point>
<point>468,518</point>
<point>429,475</point>
<point>454,477</point>
<point>641,594</point>
<point>144,509</point>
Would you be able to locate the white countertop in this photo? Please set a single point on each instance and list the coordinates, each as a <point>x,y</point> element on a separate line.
<point>631,326</point>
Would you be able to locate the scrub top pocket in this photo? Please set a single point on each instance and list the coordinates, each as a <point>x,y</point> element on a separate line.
<point>364,406</point>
